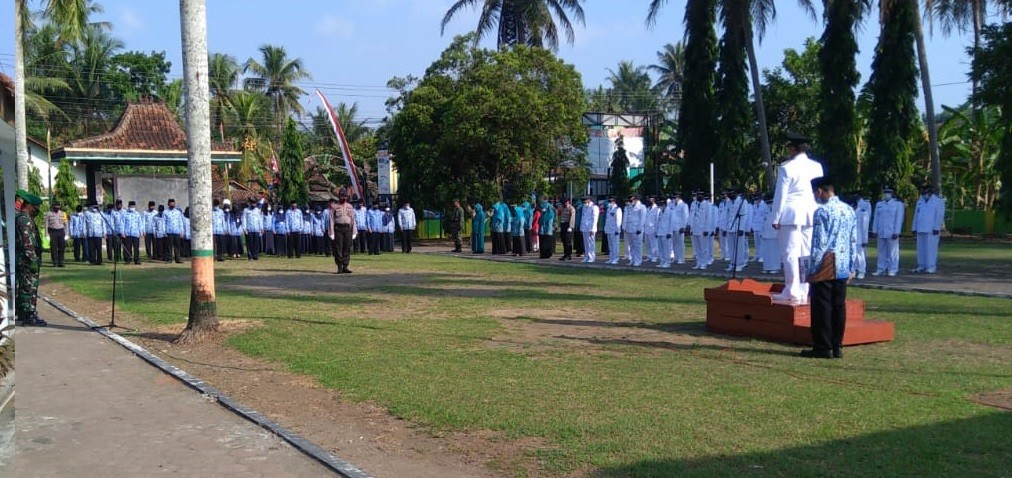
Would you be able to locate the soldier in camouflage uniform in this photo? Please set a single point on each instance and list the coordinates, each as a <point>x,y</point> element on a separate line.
<point>28,249</point>
<point>455,224</point>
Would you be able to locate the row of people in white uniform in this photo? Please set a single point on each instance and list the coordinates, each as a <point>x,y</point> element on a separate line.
<point>657,231</point>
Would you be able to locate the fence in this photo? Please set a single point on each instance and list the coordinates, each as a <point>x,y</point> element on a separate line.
<point>975,222</point>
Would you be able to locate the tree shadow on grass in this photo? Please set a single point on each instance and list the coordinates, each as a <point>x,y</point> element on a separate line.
<point>697,328</point>
<point>978,446</point>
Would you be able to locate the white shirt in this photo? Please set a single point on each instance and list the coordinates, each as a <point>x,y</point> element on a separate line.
<point>636,218</point>
<point>794,201</point>
<point>862,214</point>
<point>653,215</point>
<point>928,214</point>
<point>588,218</point>
<point>743,210</point>
<point>406,218</point>
<point>679,212</point>
<point>888,219</point>
<point>613,222</point>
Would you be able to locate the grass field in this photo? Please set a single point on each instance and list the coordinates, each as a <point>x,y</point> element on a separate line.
<point>611,372</point>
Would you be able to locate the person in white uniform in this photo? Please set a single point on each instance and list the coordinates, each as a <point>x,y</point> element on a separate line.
<point>887,224</point>
<point>679,212</point>
<point>588,227</point>
<point>650,230</point>
<point>632,224</point>
<point>662,235</point>
<point>770,256</point>
<point>714,222</point>
<point>740,212</point>
<point>929,214</point>
<point>613,229</point>
<point>793,208</point>
<point>759,214</point>
<point>701,226</point>
<point>862,212</point>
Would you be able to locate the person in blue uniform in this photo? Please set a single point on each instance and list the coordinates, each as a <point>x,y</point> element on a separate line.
<point>374,227</point>
<point>478,230</point>
<point>95,229</point>
<point>218,230</point>
<point>280,232</point>
<point>517,218</point>
<point>833,227</point>
<point>175,232</point>
<point>546,229</point>
<point>361,224</point>
<point>131,234</point>
<point>293,219</point>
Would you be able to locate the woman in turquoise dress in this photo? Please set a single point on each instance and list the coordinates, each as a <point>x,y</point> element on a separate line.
<point>478,230</point>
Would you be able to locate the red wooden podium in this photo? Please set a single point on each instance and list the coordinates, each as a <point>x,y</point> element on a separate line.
<point>745,307</point>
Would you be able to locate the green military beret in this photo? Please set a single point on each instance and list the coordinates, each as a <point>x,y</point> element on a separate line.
<point>29,197</point>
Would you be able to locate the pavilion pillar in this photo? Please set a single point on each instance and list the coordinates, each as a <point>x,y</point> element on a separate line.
<point>91,180</point>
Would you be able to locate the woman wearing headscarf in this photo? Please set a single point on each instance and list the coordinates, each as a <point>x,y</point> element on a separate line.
<point>478,230</point>
<point>517,229</point>
<point>546,229</point>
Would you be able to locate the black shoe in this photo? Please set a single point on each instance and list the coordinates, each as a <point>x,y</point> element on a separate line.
<point>826,354</point>
<point>61,265</point>
<point>35,321</point>
<point>837,352</point>
<point>347,270</point>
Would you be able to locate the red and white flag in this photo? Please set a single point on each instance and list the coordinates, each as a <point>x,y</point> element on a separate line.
<point>349,163</point>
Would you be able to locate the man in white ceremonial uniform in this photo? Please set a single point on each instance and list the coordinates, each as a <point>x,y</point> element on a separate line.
<point>887,225</point>
<point>662,234</point>
<point>793,208</point>
<point>715,226</point>
<point>701,225</point>
<point>679,212</point>
<point>862,213</point>
<point>738,227</point>
<point>724,217</point>
<point>650,230</point>
<point>759,214</point>
<point>771,255</point>
<point>632,224</point>
<point>613,230</point>
<point>929,213</point>
<point>588,227</point>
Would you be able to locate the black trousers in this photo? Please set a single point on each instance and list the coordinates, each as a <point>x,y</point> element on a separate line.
<point>829,313</point>
<point>80,249</point>
<point>95,248</point>
<point>57,246</point>
<point>149,242</point>
<point>497,243</point>
<point>269,243</point>
<point>518,245</point>
<point>253,245</point>
<point>341,246</point>
<point>173,248</point>
<point>280,244</point>
<point>220,246</point>
<point>406,240</point>
<point>567,240</point>
<point>112,247</point>
<point>294,243</point>
<point>361,241</point>
<point>132,250</point>
<point>546,245</point>
<point>374,243</point>
<point>528,241</point>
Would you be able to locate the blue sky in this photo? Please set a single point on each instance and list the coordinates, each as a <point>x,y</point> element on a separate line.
<point>352,47</point>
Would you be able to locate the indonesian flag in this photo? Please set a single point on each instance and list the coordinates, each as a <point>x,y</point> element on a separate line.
<point>349,164</point>
<point>274,164</point>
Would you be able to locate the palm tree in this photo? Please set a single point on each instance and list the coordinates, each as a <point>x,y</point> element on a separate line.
<point>929,99</point>
<point>89,61</point>
<point>631,85</point>
<point>203,317</point>
<point>72,17</point>
<point>522,22</point>
<point>670,69</point>
<point>276,77</point>
<point>957,14</point>
<point>223,76</point>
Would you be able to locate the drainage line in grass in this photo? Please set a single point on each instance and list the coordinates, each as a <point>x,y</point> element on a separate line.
<point>314,451</point>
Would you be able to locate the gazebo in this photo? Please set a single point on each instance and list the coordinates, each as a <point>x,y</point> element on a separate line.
<point>146,135</point>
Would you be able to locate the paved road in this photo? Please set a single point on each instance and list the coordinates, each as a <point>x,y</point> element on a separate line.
<point>88,407</point>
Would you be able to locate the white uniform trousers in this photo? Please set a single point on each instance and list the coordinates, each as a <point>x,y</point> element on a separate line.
<point>589,254</point>
<point>663,249</point>
<point>653,251</point>
<point>678,247</point>
<point>634,243</point>
<point>699,249</point>
<point>758,238</point>
<point>738,246</point>
<point>792,247</point>
<point>860,259</point>
<point>722,244</point>
<point>927,251</point>
<point>888,255</point>
<point>771,254</point>
<point>613,251</point>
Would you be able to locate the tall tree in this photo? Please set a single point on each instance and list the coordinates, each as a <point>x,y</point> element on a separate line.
<point>792,92</point>
<point>135,74</point>
<point>631,89</point>
<point>276,75</point>
<point>90,91</point>
<point>223,77</point>
<point>72,17</point>
<point>65,190</point>
<point>929,98</point>
<point>522,22</point>
<point>670,69</point>
<point>991,69</point>
<point>735,122</point>
<point>697,118</point>
<point>838,125</point>
<point>203,317</point>
<point>293,187</point>
<point>893,90</point>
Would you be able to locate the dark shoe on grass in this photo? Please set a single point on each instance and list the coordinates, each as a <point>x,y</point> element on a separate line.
<point>825,354</point>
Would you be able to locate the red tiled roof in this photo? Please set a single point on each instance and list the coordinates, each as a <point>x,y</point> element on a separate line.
<point>146,126</point>
<point>7,83</point>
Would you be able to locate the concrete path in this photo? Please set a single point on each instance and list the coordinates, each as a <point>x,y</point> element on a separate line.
<point>88,407</point>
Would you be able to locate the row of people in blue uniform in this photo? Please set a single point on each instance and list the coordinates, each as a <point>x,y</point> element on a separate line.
<point>165,231</point>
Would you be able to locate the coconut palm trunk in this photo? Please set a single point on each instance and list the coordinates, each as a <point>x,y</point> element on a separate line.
<point>929,101</point>
<point>20,131</point>
<point>760,110</point>
<point>203,319</point>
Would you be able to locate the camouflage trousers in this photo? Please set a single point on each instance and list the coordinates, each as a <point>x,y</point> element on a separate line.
<point>455,237</point>
<point>27,292</point>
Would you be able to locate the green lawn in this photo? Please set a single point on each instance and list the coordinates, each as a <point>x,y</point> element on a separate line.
<point>440,341</point>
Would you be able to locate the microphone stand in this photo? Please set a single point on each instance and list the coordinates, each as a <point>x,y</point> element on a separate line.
<point>736,226</point>
<point>115,277</point>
